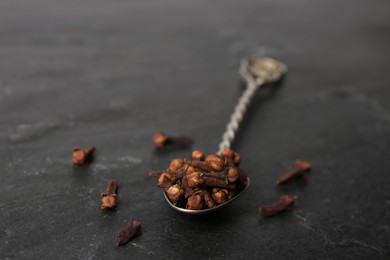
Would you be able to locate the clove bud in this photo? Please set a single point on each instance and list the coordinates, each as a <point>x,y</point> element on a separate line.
<point>302,169</point>
<point>220,196</point>
<point>175,193</point>
<point>109,197</point>
<point>161,140</point>
<point>176,164</point>
<point>130,231</point>
<point>82,156</point>
<point>195,179</point>
<point>197,155</point>
<point>195,202</point>
<point>215,162</point>
<point>285,203</point>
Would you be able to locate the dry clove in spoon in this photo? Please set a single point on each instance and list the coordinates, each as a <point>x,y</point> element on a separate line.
<point>218,174</point>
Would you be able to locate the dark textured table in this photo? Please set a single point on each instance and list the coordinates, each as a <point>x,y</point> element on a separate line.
<point>111,73</point>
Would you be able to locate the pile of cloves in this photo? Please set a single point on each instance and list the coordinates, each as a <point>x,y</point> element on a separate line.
<point>202,182</point>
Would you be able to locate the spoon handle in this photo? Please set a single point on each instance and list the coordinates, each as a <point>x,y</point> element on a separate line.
<point>239,110</point>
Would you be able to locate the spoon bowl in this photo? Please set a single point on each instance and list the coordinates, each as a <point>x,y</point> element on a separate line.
<point>205,211</point>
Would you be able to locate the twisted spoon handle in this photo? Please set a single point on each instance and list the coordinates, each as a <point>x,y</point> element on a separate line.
<point>238,114</point>
<point>256,73</point>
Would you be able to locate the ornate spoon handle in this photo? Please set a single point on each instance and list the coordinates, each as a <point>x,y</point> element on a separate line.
<point>256,73</point>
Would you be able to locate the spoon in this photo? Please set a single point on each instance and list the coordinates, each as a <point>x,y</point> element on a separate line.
<point>256,72</point>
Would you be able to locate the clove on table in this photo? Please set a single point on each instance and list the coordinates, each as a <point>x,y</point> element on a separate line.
<point>285,203</point>
<point>302,169</point>
<point>109,197</point>
<point>82,156</point>
<point>130,231</point>
<point>162,140</point>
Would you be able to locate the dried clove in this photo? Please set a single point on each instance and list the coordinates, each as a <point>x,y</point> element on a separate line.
<point>208,200</point>
<point>220,196</point>
<point>109,197</point>
<point>161,140</point>
<point>219,175</point>
<point>195,202</point>
<point>285,203</point>
<point>200,165</point>
<point>187,189</point>
<point>215,162</point>
<point>202,184</point>
<point>227,153</point>
<point>176,164</point>
<point>230,154</point>
<point>302,169</point>
<point>233,174</point>
<point>165,181</point>
<point>130,231</point>
<point>82,156</point>
<point>195,179</point>
<point>175,193</point>
<point>197,155</point>
<point>215,182</point>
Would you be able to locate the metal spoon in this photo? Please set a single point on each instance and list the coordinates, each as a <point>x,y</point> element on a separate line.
<point>256,72</point>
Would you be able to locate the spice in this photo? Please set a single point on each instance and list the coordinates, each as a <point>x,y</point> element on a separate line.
<point>195,202</point>
<point>302,169</point>
<point>215,162</point>
<point>234,157</point>
<point>82,156</point>
<point>161,140</point>
<point>176,164</point>
<point>109,197</point>
<point>208,200</point>
<point>200,165</point>
<point>285,203</point>
<point>220,196</point>
<point>195,179</point>
<point>175,193</point>
<point>203,181</point>
<point>165,180</point>
<point>233,174</point>
<point>130,231</point>
<point>197,155</point>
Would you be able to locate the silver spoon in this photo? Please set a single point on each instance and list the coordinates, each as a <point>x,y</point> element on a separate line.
<point>256,72</point>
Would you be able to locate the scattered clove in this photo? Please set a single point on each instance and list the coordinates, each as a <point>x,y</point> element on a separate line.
<point>161,140</point>
<point>109,197</point>
<point>82,156</point>
<point>285,203</point>
<point>202,182</point>
<point>302,170</point>
<point>130,231</point>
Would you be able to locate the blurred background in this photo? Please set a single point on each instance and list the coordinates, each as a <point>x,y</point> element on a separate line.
<point>111,73</point>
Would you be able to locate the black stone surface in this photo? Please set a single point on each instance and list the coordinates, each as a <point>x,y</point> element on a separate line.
<point>111,73</point>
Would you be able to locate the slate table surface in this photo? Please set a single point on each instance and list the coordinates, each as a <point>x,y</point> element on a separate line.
<point>111,73</point>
